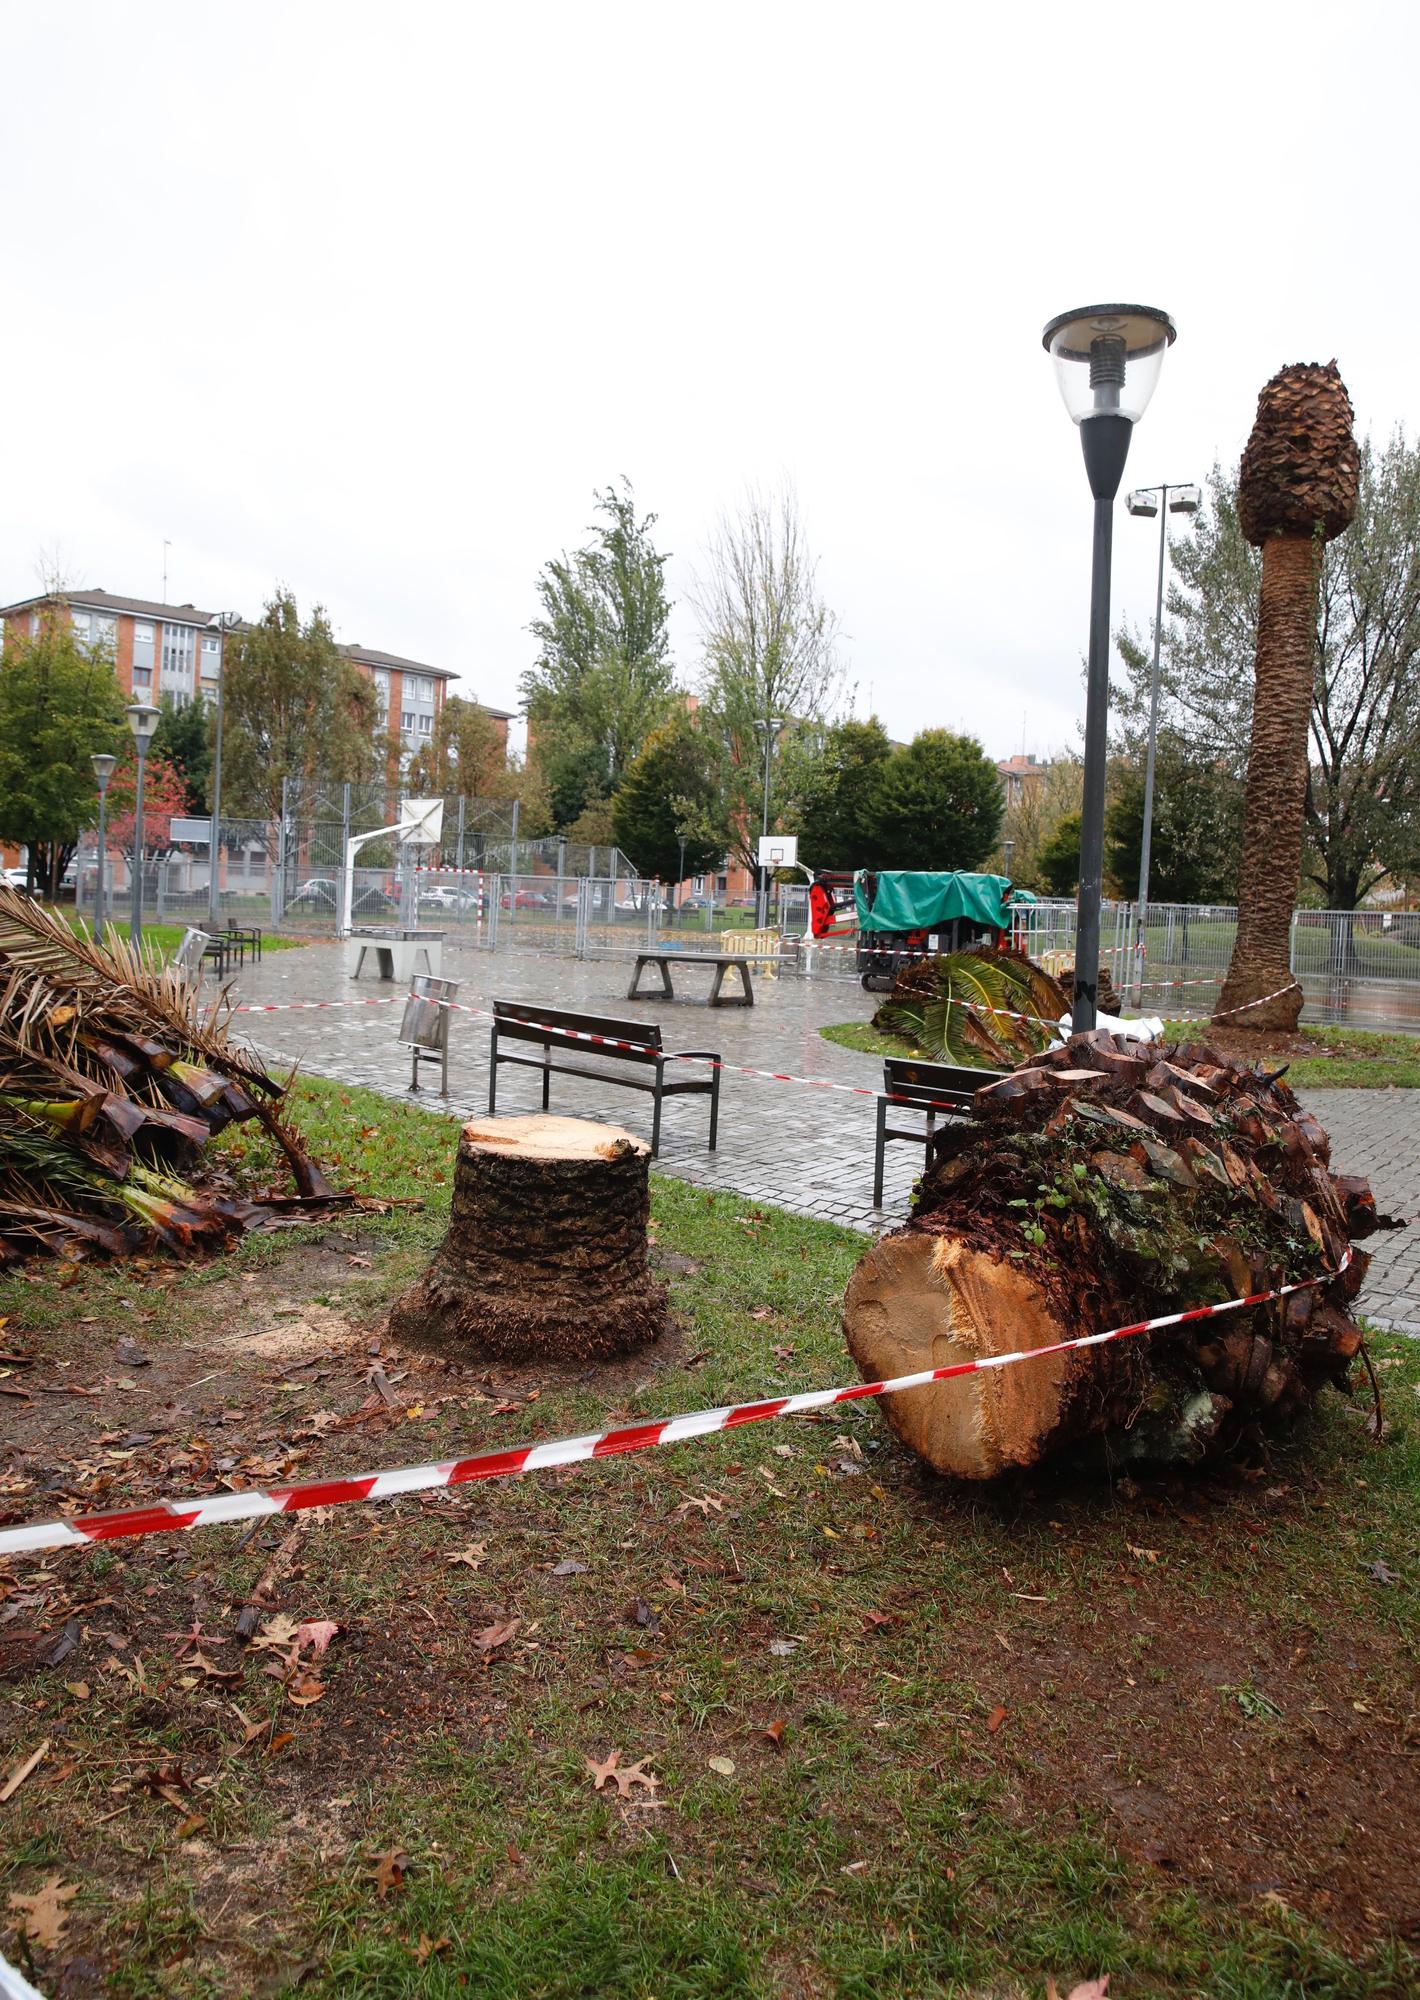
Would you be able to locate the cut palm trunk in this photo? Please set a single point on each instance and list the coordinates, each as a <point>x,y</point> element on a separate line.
<point>1297,488</point>
<point>546,1255</point>
<point>1106,1183</point>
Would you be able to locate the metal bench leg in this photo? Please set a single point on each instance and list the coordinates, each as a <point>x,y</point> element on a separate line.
<point>656,1115</point>
<point>878,1153</point>
<point>492,1072</point>
<point>714,1106</point>
<point>546,1075</point>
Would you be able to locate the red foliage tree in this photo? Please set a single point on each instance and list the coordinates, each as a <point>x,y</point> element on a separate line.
<point>165,795</point>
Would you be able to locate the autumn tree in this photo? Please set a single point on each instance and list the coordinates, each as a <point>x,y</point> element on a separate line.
<point>671,793</point>
<point>295,708</point>
<point>165,797</point>
<point>184,736</point>
<point>59,704</point>
<point>769,649</point>
<point>464,755</point>
<point>828,780</point>
<point>936,804</point>
<point>603,677</point>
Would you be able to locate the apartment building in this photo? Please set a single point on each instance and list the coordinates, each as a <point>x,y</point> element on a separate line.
<point>176,649</point>
<point>1021,775</point>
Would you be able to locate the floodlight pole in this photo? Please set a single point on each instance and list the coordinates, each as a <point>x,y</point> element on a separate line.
<point>1105,442</point>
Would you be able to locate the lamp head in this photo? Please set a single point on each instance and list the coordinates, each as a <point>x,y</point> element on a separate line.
<point>1107,358</point>
<point>142,720</point>
<point>1185,500</point>
<point>104,766</point>
<point>1142,502</point>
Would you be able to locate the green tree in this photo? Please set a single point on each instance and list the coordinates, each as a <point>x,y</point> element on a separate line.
<point>769,650</point>
<point>937,804</point>
<point>1363,788</point>
<point>1058,857</point>
<point>603,677</point>
<point>829,783</point>
<point>184,736</point>
<point>59,703</point>
<point>1197,824</point>
<point>670,792</point>
<point>295,707</point>
<point>464,755</point>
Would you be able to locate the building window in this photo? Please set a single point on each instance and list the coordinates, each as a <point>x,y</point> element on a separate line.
<point>106,630</point>
<point>211,644</point>
<point>142,651</point>
<point>406,721</point>
<point>142,678</point>
<point>421,688</point>
<point>179,655</point>
<point>82,624</point>
<point>426,725</point>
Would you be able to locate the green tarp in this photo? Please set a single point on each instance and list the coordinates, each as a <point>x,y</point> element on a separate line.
<point>921,900</point>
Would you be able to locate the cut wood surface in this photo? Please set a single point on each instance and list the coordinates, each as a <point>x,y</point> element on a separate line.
<point>546,1255</point>
<point>1109,1182</point>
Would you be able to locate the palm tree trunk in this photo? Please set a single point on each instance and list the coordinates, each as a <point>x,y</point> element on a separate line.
<point>1276,789</point>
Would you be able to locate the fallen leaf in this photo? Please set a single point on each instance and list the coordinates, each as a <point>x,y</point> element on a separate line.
<point>874,1621</point>
<point>316,1633</point>
<point>472,1556</point>
<point>995,1719</point>
<point>388,1870</point>
<point>762,1312</point>
<point>782,1648</point>
<point>724,1765</point>
<point>277,1634</point>
<point>43,1915</point>
<point>569,1568</point>
<point>21,1771</point>
<point>1381,1572</point>
<point>426,1947</point>
<point>1089,1989</point>
<point>79,1689</point>
<point>305,1689</point>
<point>1144,1555</point>
<point>611,1772</point>
<point>775,1732</point>
<point>706,1502</point>
<point>493,1636</point>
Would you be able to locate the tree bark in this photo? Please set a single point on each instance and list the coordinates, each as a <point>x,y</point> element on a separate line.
<point>1276,790</point>
<point>545,1258</point>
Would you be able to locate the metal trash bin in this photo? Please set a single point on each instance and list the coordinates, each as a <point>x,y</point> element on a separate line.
<point>424,1028</point>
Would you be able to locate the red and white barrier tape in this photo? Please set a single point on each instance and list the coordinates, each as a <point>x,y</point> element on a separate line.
<point>214,1509</point>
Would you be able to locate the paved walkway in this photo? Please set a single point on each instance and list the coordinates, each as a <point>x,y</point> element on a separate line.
<point>806,1150</point>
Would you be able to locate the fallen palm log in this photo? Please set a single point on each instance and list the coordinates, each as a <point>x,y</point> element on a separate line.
<point>1105,1183</point>
<point>113,1077</point>
<point>976,1007</point>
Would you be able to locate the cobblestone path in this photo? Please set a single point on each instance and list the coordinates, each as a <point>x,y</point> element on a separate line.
<point>806,1150</point>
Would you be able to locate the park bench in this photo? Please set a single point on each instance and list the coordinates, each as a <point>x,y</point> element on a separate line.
<point>944,1089</point>
<point>631,1044</point>
<point>722,963</point>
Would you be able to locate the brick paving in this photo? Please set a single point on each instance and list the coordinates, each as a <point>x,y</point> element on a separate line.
<point>806,1150</point>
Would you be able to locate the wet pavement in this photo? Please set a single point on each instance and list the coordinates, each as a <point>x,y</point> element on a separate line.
<point>809,1150</point>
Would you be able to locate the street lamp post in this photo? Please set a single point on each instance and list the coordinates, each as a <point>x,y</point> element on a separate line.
<point>103,770</point>
<point>221,625</point>
<point>142,720</point>
<point>770,725</point>
<point>1148,501</point>
<point>680,879</point>
<point>1107,360</point>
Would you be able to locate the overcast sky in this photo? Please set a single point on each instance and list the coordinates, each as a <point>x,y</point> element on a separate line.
<point>369,299</point>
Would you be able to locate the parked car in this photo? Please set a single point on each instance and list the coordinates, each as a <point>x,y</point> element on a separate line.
<point>323,895</point>
<point>443,898</point>
<point>697,903</point>
<point>15,878</point>
<point>527,899</point>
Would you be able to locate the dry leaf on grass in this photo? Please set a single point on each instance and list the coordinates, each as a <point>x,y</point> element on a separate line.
<point>995,1719</point>
<point>277,1635</point>
<point>1088,1989</point>
<point>388,1870</point>
<point>316,1633</point>
<point>775,1732</point>
<point>427,1946</point>
<point>611,1772</point>
<point>472,1555</point>
<point>305,1689</point>
<point>493,1637</point>
<point>725,1766</point>
<point>43,1915</point>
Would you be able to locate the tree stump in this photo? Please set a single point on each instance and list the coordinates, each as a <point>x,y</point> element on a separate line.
<point>545,1258</point>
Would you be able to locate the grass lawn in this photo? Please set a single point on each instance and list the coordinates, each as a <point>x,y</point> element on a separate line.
<point>903,1740</point>
<point>1349,1058</point>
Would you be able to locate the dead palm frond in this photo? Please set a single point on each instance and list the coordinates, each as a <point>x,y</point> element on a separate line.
<point>113,1077</point>
<point>980,1008</point>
